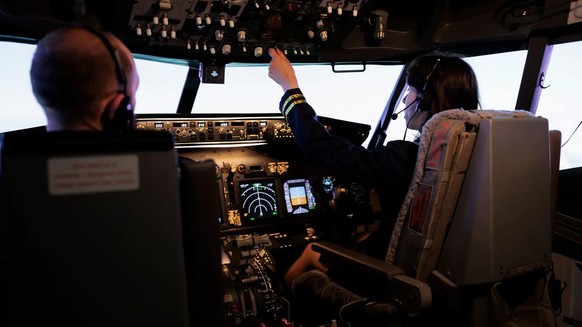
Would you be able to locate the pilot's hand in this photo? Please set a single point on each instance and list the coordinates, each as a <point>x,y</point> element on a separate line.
<point>281,71</point>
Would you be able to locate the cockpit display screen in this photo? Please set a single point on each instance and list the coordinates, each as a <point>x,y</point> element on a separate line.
<point>258,199</point>
<point>299,197</point>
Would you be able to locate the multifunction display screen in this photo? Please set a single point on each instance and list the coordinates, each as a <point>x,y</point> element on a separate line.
<point>298,195</point>
<point>258,199</point>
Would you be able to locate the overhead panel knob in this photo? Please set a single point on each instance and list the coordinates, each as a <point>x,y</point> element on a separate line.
<point>226,49</point>
<point>218,34</point>
<point>241,36</point>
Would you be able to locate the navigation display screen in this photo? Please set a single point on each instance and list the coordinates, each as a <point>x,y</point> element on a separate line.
<point>258,199</point>
<point>299,197</point>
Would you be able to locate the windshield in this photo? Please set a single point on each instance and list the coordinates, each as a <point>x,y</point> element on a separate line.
<point>352,96</point>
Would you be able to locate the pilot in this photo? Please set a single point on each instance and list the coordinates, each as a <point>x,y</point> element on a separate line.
<point>436,82</point>
<point>84,80</point>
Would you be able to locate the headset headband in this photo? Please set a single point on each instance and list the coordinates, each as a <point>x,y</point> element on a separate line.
<point>119,72</point>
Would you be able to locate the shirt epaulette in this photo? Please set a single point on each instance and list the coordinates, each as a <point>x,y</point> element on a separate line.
<point>290,99</point>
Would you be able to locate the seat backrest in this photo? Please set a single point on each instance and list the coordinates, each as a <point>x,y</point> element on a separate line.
<point>479,198</point>
<point>445,148</point>
<point>555,152</point>
<point>502,227</point>
<point>90,230</point>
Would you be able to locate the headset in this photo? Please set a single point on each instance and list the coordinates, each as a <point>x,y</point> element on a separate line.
<point>420,95</point>
<point>123,117</point>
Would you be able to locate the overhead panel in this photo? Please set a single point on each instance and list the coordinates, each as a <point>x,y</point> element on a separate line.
<point>242,30</point>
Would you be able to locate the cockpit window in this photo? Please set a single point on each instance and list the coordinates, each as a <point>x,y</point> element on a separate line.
<point>19,108</point>
<point>352,96</point>
<point>560,101</point>
<point>355,96</point>
<point>160,86</point>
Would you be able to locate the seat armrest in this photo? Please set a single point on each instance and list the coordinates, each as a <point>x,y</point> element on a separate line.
<point>333,255</point>
<point>385,281</point>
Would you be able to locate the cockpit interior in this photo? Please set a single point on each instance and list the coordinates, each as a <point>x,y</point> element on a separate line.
<point>270,200</point>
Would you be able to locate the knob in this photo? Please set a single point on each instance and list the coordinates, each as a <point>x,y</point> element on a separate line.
<point>241,36</point>
<point>258,51</point>
<point>219,35</point>
<point>226,49</point>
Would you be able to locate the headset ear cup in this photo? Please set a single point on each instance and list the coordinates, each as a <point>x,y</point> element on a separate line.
<point>122,117</point>
<point>419,102</point>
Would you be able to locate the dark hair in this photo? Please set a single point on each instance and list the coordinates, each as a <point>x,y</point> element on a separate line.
<point>444,81</point>
<point>68,74</point>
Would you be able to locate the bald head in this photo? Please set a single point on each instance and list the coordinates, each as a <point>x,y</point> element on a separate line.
<point>73,76</point>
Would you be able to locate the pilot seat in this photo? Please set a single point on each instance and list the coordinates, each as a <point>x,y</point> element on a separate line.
<point>472,242</point>
<point>91,231</point>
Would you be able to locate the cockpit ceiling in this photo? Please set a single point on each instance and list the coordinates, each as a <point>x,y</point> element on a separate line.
<point>309,31</point>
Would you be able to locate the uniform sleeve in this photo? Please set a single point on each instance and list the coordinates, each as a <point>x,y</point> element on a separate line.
<point>389,167</point>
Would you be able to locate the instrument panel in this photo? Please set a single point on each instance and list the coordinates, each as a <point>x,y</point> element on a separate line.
<point>235,130</point>
<point>273,201</point>
<point>196,131</point>
<point>264,180</point>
